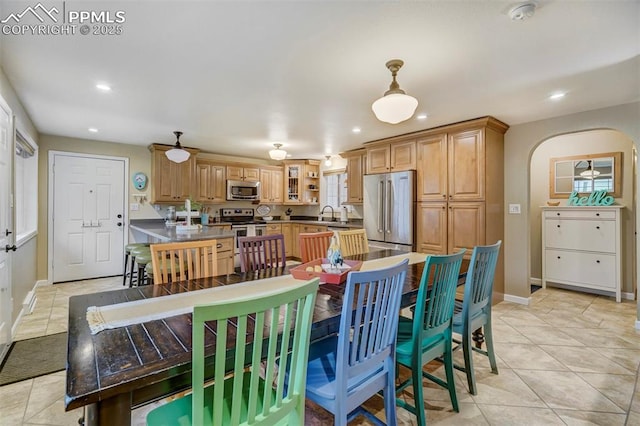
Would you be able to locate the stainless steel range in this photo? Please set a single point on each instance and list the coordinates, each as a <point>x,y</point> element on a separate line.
<point>243,224</point>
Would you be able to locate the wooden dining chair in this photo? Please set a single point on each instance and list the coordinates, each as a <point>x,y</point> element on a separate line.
<point>353,242</point>
<point>475,310</point>
<point>262,252</point>
<point>427,336</point>
<point>347,369</point>
<point>314,245</point>
<point>184,260</point>
<point>275,328</point>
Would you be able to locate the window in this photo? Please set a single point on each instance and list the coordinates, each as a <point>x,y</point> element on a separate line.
<point>26,188</point>
<point>335,183</point>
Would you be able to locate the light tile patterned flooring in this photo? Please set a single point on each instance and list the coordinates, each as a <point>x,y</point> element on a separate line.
<point>568,359</point>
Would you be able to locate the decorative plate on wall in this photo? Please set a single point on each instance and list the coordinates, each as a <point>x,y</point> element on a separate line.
<point>139,180</point>
<point>263,210</point>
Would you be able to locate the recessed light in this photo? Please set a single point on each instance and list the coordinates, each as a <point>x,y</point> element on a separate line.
<point>356,130</point>
<point>93,130</point>
<point>421,116</point>
<point>557,96</point>
<point>103,87</point>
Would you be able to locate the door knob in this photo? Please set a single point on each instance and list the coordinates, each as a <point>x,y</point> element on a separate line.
<point>9,248</point>
<point>119,216</point>
<point>119,223</point>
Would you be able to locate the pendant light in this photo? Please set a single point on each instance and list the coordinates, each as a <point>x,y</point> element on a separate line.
<point>277,153</point>
<point>177,154</point>
<point>590,173</point>
<point>395,106</point>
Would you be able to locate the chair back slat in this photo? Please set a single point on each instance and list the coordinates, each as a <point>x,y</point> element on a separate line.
<point>184,260</point>
<point>314,245</point>
<point>436,299</point>
<point>367,336</point>
<point>247,331</point>
<point>262,252</point>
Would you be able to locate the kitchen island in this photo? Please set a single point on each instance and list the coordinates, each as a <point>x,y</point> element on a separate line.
<point>155,231</point>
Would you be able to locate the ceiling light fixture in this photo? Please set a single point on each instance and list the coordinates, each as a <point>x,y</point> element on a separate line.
<point>103,87</point>
<point>557,96</point>
<point>327,162</point>
<point>522,11</point>
<point>395,106</point>
<point>277,153</point>
<point>422,117</point>
<point>93,130</point>
<point>177,154</point>
<point>590,173</point>
<point>356,130</point>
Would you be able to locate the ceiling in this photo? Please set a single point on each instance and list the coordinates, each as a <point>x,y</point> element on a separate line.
<point>237,77</point>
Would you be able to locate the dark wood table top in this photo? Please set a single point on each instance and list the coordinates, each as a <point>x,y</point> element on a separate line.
<point>153,359</point>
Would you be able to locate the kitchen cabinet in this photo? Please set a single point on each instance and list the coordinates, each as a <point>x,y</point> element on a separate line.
<point>395,156</point>
<point>171,182</point>
<point>460,188</point>
<point>287,231</point>
<point>224,255</point>
<point>210,182</point>
<point>355,171</point>
<point>582,248</point>
<point>246,173</point>
<point>271,185</point>
<point>301,182</point>
<point>274,229</point>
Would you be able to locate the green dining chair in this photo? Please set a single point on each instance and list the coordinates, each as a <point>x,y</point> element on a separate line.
<point>475,310</point>
<point>280,323</point>
<point>428,335</point>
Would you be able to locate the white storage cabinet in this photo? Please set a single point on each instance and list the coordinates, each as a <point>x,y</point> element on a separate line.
<point>581,247</point>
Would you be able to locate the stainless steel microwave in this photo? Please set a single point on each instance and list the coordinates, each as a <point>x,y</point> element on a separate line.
<point>240,190</point>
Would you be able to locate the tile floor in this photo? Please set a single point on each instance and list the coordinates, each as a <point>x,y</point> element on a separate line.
<point>568,359</point>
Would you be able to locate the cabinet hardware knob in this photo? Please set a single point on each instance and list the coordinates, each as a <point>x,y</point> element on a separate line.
<point>558,257</point>
<point>558,213</point>
<point>597,261</point>
<point>597,214</point>
<point>558,226</point>
<point>597,227</point>
<point>444,196</point>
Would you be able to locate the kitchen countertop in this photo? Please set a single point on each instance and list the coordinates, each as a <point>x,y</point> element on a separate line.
<point>319,222</point>
<point>156,228</point>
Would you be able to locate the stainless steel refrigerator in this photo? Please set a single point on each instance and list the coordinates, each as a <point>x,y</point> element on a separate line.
<point>389,210</point>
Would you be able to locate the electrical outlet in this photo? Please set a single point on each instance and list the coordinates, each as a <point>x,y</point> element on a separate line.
<point>134,207</point>
<point>514,208</point>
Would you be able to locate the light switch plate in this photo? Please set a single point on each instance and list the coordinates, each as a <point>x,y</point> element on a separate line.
<point>134,207</point>
<point>514,208</point>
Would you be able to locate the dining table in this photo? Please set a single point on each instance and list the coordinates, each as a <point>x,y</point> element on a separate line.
<point>111,372</point>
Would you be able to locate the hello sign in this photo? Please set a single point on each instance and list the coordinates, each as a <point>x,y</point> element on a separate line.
<point>596,198</point>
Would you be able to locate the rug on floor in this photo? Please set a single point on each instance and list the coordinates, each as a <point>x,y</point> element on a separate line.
<point>35,357</point>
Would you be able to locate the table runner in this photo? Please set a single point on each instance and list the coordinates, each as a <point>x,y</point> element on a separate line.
<point>139,311</point>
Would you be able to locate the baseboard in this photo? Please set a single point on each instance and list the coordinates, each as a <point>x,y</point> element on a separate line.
<point>29,303</point>
<point>637,324</point>
<point>628,296</point>
<point>41,283</point>
<point>535,281</point>
<point>517,299</point>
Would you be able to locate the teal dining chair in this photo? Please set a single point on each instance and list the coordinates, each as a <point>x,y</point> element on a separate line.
<point>475,310</point>
<point>428,335</point>
<point>280,326</point>
<point>347,369</point>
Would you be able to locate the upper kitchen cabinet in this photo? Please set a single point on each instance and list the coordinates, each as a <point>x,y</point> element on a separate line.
<point>171,182</point>
<point>271,185</point>
<point>391,157</point>
<point>301,181</point>
<point>210,182</point>
<point>355,170</point>
<point>241,172</point>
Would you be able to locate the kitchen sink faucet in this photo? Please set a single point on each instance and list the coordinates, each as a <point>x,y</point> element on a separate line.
<point>333,219</point>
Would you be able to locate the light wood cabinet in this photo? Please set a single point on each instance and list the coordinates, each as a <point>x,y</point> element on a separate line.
<point>210,182</point>
<point>355,172</point>
<point>225,256</point>
<point>246,173</point>
<point>391,157</point>
<point>431,176</point>
<point>287,231</point>
<point>466,164</point>
<point>274,229</point>
<point>271,185</point>
<point>311,190</point>
<point>170,182</point>
<point>301,182</point>
<point>582,248</point>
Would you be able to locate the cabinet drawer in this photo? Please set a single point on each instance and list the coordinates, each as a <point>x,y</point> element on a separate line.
<point>312,228</point>
<point>224,244</point>
<point>588,235</point>
<point>592,269</point>
<point>274,228</point>
<point>580,214</point>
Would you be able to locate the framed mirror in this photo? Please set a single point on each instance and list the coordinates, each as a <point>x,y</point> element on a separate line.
<point>585,174</point>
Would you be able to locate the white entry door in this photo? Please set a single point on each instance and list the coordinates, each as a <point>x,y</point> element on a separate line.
<point>6,227</point>
<point>88,217</point>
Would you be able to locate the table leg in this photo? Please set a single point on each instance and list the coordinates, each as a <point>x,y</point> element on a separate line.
<point>112,411</point>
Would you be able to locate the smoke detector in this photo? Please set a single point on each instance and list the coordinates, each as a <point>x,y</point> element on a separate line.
<point>522,11</point>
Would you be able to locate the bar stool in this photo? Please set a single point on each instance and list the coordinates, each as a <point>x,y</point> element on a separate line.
<point>140,256</point>
<point>127,253</point>
<point>148,270</point>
